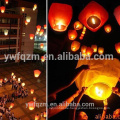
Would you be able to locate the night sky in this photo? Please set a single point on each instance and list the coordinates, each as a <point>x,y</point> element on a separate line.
<point>60,72</point>
<point>41,19</point>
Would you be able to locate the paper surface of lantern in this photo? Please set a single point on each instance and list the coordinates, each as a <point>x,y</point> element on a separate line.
<point>107,28</point>
<point>102,76</point>
<point>89,51</point>
<point>72,34</point>
<point>23,9</point>
<point>28,19</point>
<point>6,1</point>
<point>6,32</point>
<point>75,46</point>
<point>100,50</point>
<point>94,47</point>
<point>117,47</point>
<point>37,73</point>
<point>117,14</point>
<point>41,45</point>
<point>93,16</point>
<point>38,27</point>
<point>59,16</point>
<point>31,105</point>
<point>32,91</point>
<point>45,26</point>
<point>2,8</point>
<point>31,36</point>
<point>78,25</point>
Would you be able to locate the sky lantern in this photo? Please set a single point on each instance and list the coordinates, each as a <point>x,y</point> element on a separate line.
<point>42,58</point>
<point>45,114</point>
<point>26,23</point>
<point>32,91</point>
<point>117,47</point>
<point>45,26</point>
<point>23,9</point>
<point>37,32</point>
<point>117,14</point>
<point>100,50</point>
<point>94,47</point>
<point>41,32</point>
<point>72,34</point>
<point>59,16</point>
<point>23,84</point>
<point>78,25</point>
<point>5,32</point>
<point>31,105</point>
<point>35,6</point>
<point>28,19</point>
<point>2,8</point>
<point>80,37</point>
<point>34,98</point>
<point>83,49</point>
<point>31,36</point>
<point>11,105</point>
<point>37,73</point>
<point>19,80</point>
<point>99,79</point>
<point>38,27</point>
<point>89,51</point>
<point>93,16</point>
<point>37,117</point>
<point>6,1</point>
<point>107,28</point>
<point>75,46</point>
<point>41,45</point>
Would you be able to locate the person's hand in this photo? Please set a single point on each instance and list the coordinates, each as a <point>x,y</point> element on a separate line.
<point>52,97</point>
<point>76,93</point>
<point>115,90</point>
<point>105,102</point>
<point>86,67</point>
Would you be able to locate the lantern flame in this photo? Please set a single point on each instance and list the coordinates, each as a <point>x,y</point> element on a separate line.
<point>93,20</point>
<point>98,91</point>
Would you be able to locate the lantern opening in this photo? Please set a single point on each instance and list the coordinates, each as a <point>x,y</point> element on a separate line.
<point>93,22</point>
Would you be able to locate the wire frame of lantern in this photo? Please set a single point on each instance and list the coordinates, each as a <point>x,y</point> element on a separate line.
<point>6,1</point>
<point>5,32</point>
<point>72,34</point>
<point>107,28</point>
<point>60,16</point>
<point>100,50</point>
<point>28,19</point>
<point>78,25</point>
<point>117,47</point>
<point>94,47</point>
<point>37,73</point>
<point>2,9</point>
<point>23,9</point>
<point>75,46</point>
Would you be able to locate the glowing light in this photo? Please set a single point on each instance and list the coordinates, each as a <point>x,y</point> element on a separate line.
<point>99,92</point>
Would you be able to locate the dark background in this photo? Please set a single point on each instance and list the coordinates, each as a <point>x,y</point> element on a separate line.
<point>61,72</point>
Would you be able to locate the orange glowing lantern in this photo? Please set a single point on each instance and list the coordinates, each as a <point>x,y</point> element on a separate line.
<point>1,80</point>
<point>32,91</point>
<point>44,114</point>
<point>93,16</point>
<point>78,25</point>
<point>72,34</point>
<point>37,117</point>
<point>23,84</point>
<point>41,32</point>
<point>37,73</point>
<point>75,46</point>
<point>42,58</point>
<point>34,98</point>
<point>37,32</point>
<point>31,36</point>
<point>28,19</point>
<point>107,28</point>
<point>60,16</point>
<point>35,6</point>
<point>117,14</point>
<point>26,23</point>
<point>80,37</point>
<point>100,50</point>
<point>89,51</point>
<point>41,45</point>
<point>117,47</point>
<point>23,9</point>
<point>83,49</point>
<point>2,9</point>
<point>94,47</point>
<point>5,32</point>
<point>31,105</point>
<point>38,27</point>
<point>11,105</point>
<point>45,26</point>
<point>6,1</point>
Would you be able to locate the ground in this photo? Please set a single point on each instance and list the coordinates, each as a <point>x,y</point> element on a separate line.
<point>25,71</point>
